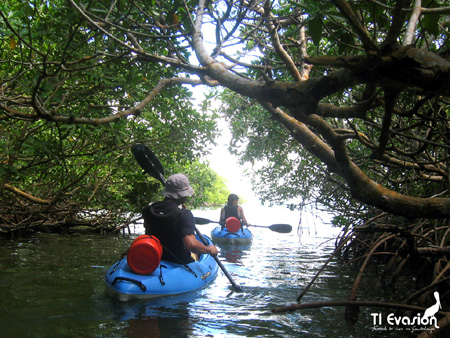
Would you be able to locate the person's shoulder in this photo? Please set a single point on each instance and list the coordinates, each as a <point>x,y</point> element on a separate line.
<point>164,207</point>
<point>187,215</point>
<point>185,211</point>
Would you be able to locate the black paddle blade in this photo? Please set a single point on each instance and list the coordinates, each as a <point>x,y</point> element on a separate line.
<point>148,161</point>
<point>201,221</point>
<point>282,228</point>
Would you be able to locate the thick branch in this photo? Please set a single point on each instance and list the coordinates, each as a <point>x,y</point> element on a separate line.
<point>290,65</point>
<point>25,195</point>
<point>347,11</point>
<point>304,136</point>
<point>430,251</point>
<point>405,68</point>
<point>413,20</point>
<point>397,22</point>
<point>359,110</point>
<point>390,99</point>
<point>362,187</point>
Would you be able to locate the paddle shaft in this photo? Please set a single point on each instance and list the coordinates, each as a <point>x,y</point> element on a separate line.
<point>236,287</point>
<point>249,225</point>
<point>282,228</point>
<point>154,168</point>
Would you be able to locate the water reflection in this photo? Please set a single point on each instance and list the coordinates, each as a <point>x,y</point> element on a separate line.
<point>55,285</point>
<point>153,319</point>
<point>233,256</point>
<point>233,253</point>
<point>140,309</point>
<point>178,316</point>
<point>148,327</point>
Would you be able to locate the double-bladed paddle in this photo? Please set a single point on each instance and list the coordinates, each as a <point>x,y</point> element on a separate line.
<point>281,228</point>
<point>149,162</point>
<point>152,166</point>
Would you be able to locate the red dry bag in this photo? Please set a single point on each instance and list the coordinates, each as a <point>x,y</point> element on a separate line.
<point>233,224</point>
<point>144,254</point>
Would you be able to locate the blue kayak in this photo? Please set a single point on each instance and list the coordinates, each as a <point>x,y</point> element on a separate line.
<point>241,237</point>
<point>168,279</point>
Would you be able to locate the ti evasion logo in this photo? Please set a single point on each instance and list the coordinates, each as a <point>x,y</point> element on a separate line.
<point>417,323</point>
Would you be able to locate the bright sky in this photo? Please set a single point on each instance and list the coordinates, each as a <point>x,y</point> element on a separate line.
<point>221,161</point>
<point>227,166</point>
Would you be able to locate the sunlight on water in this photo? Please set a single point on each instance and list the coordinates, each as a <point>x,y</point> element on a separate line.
<point>55,284</point>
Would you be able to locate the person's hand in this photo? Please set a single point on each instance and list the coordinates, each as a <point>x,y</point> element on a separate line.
<point>213,250</point>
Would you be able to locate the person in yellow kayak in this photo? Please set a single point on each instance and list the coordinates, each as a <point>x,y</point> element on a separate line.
<point>232,209</point>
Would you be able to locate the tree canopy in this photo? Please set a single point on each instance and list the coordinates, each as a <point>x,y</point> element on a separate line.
<point>358,89</point>
<point>72,103</point>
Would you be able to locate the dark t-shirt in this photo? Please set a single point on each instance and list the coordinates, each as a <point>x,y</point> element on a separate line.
<point>170,223</point>
<point>231,211</point>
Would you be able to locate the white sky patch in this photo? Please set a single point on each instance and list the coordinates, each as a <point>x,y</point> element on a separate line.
<point>227,166</point>
<point>220,159</point>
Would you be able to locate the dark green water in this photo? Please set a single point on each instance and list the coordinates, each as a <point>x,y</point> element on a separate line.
<point>52,286</point>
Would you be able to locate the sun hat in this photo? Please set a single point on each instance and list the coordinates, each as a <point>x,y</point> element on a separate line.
<point>177,186</point>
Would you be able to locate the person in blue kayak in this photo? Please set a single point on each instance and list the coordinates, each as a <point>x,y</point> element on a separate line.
<point>232,209</point>
<point>173,224</point>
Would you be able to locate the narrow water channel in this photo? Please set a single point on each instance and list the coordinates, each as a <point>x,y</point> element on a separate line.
<point>52,286</point>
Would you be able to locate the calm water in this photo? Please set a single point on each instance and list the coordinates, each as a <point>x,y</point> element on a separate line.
<point>53,286</point>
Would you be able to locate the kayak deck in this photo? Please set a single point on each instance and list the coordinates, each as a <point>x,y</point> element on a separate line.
<point>223,236</point>
<point>168,279</point>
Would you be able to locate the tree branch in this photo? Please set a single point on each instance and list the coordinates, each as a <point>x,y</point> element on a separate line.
<point>135,111</point>
<point>413,20</point>
<point>347,11</point>
<point>25,195</point>
<point>270,20</point>
<point>362,187</point>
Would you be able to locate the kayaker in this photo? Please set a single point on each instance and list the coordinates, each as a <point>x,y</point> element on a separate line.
<point>232,209</point>
<point>173,224</point>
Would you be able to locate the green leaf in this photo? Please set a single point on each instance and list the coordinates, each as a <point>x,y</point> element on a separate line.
<point>431,21</point>
<point>315,29</point>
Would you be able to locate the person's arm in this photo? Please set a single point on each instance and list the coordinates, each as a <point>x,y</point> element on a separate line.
<point>147,227</point>
<point>222,217</point>
<point>194,245</point>
<point>241,212</point>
